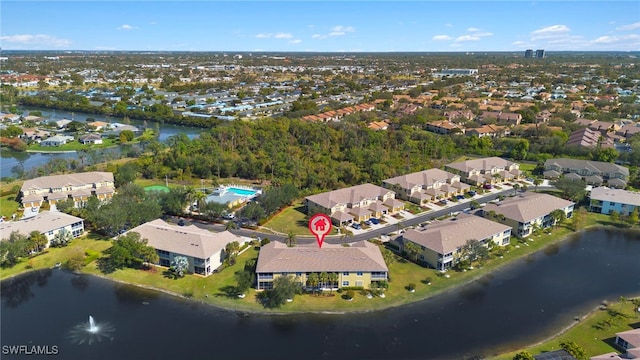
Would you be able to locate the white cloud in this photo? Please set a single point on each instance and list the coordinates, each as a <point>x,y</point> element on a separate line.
<point>472,29</point>
<point>550,32</point>
<point>633,26</point>
<point>153,23</point>
<point>467,38</point>
<point>483,34</point>
<point>341,30</point>
<point>283,36</point>
<point>295,41</point>
<point>441,37</point>
<point>616,39</point>
<point>38,40</point>
<point>448,25</point>
<point>263,36</point>
<point>126,27</point>
<point>318,36</point>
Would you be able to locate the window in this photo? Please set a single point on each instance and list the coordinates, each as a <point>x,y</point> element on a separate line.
<point>298,274</point>
<point>359,273</point>
<point>346,273</point>
<point>345,283</point>
<point>359,283</point>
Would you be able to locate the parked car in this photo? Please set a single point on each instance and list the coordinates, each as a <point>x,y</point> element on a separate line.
<point>356,226</point>
<point>460,197</point>
<point>472,193</point>
<point>488,186</point>
<point>368,222</point>
<point>374,221</point>
<point>181,222</point>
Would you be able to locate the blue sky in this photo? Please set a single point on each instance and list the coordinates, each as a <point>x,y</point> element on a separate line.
<point>349,26</point>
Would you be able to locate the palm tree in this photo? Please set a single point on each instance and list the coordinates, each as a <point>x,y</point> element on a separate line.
<point>230,225</point>
<point>323,277</point>
<point>333,279</point>
<point>537,181</point>
<point>291,239</point>
<point>412,249</point>
<point>388,256</point>
<point>313,280</point>
<point>558,217</point>
<point>199,196</point>
<point>516,186</point>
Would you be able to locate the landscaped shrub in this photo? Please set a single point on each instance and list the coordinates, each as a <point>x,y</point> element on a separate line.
<point>350,294</point>
<point>411,286</point>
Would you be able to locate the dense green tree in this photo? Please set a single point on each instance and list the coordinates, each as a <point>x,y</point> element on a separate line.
<point>572,189</point>
<point>523,355</point>
<point>574,350</point>
<point>245,280</point>
<point>38,240</point>
<point>559,216</point>
<point>473,250</point>
<point>130,250</point>
<point>284,287</point>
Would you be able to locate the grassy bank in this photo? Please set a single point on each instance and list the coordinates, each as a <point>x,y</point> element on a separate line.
<point>218,289</point>
<point>595,334</point>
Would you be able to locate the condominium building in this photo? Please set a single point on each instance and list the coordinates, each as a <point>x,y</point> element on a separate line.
<point>426,186</point>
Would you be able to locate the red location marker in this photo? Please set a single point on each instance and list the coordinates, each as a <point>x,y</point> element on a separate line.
<point>320,225</point>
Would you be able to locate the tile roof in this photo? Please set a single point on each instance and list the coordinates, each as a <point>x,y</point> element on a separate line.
<point>605,167</point>
<point>448,235</point>
<point>421,178</point>
<point>528,206</point>
<point>185,240</point>
<point>360,256</point>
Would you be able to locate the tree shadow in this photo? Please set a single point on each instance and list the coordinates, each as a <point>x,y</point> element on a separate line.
<point>229,291</point>
<point>169,274</point>
<point>105,266</point>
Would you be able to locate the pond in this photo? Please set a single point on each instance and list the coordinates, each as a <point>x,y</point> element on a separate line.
<point>519,304</point>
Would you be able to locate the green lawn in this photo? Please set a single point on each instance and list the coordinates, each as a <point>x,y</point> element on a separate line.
<point>592,334</point>
<point>8,205</point>
<point>51,256</point>
<point>293,220</point>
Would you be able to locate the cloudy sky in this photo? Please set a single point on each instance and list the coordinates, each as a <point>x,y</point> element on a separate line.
<point>349,26</point>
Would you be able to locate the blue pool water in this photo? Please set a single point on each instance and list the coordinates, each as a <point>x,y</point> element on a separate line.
<point>243,192</point>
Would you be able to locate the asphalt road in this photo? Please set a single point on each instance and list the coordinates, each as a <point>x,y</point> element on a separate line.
<point>370,234</point>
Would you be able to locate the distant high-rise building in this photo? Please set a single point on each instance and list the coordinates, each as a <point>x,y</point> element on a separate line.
<point>540,53</point>
<point>528,53</point>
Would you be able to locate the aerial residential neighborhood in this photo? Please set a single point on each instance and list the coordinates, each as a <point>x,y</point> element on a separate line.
<point>442,177</point>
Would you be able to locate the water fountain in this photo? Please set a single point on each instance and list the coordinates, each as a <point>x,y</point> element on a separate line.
<point>88,333</point>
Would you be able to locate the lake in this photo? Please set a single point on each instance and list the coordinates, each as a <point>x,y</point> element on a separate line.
<point>31,160</point>
<point>519,304</point>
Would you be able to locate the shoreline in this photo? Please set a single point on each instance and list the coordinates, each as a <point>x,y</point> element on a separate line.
<point>346,312</point>
<point>51,151</point>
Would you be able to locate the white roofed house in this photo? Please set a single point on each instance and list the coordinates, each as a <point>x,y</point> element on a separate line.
<point>54,188</point>
<point>357,203</point>
<point>441,241</point>
<point>204,250</point>
<point>47,223</point>
<point>529,210</point>
<point>357,265</point>
<point>56,140</point>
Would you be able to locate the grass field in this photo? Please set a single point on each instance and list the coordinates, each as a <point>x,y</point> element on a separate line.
<point>8,206</point>
<point>292,220</point>
<point>595,334</point>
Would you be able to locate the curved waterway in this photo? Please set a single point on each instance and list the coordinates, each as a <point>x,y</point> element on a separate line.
<point>519,304</point>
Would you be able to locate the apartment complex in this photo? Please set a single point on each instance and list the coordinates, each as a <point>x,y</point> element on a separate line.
<point>204,250</point>
<point>54,188</point>
<point>49,223</point>
<point>354,204</point>
<point>441,241</point>
<point>604,200</point>
<point>426,186</point>
<point>357,265</point>
<point>485,171</point>
<point>592,172</point>
<point>529,210</point>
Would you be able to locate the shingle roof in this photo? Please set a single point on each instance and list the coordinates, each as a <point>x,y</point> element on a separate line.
<point>528,206</point>
<point>350,195</point>
<point>58,181</point>
<point>43,222</point>
<point>481,164</point>
<point>605,167</point>
<point>446,236</point>
<point>421,178</point>
<point>185,240</point>
<point>615,195</point>
<point>630,336</point>
<point>360,256</point>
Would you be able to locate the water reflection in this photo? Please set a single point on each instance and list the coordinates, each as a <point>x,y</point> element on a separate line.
<point>17,291</point>
<point>80,282</point>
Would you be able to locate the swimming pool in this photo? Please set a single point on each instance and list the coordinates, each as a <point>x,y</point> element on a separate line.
<point>242,192</point>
